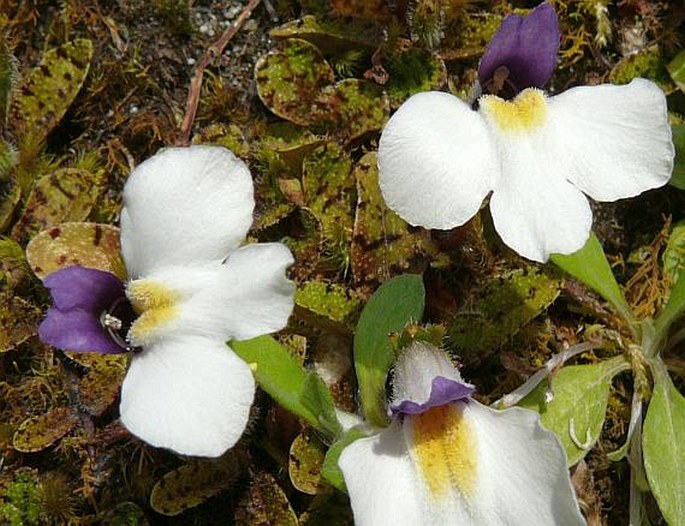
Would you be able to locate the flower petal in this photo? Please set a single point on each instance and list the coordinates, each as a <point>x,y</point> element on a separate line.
<point>424,377</point>
<point>534,209</point>
<point>185,205</point>
<point>191,395</point>
<point>443,391</point>
<point>247,296</point>
<point>436,161</point>
<point>381,480</point>
<point>526,46</point>
<point>76,330</point>
<point>615,141</point>
<point>84,288</point>
<point>522,474</point>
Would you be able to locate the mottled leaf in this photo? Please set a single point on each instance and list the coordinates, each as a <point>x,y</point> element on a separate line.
<point>43,98</point>
<point>383,244</point>
<point>100,387</point>
<point>351,108</point>
<point>39,432</point>
<point>501,309</point>
<point>577,412</point>
<point>18,321</point>
<point>65,195</point>
<point>411,71</point>
<point>192,484</point>
<point>86,244</point>
<point>289,80</point>
<point>396,302</point>
<point>265,504</point>
<point>304,462</point>
<point>663,445</point>
<point>327,299</point>
<point>328,186</point>
<point>332,35</point>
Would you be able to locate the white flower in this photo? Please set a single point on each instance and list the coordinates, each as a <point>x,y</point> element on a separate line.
<point>186,212</point>
<point>439,159</point>
<point>449,460</point>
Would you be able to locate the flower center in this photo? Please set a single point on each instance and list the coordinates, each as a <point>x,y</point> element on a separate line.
<point>445,449</point>
<point>155,304</point>
<point>523,114</point>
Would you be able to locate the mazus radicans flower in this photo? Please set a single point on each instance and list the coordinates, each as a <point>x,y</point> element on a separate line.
<point>438,158</point>
<point>448,460</point>
<point>191,287</point>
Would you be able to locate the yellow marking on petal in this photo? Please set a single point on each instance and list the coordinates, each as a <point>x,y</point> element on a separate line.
<point>155,304</point>
<point>525,113</point>
<point>445,449</point>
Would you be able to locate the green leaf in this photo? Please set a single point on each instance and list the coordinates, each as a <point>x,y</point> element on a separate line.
<point>672,311</point>
<point>590,266</point>
<point>581,394</point>
<point>305,459</point>
<point>676,68</point>
<point>394,304</point>
<point>678,179</point>
<point>673,258</point>
<point>663,445</point>
<point>289,384</point>
<point>330,469</point>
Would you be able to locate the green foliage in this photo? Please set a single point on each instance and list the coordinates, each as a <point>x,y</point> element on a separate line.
<point>332,35</point>
<point>676,68</point>
<point>330,469</point>
<point>577,412</point>
<point>678,179</point>
<point>288,383</point>
<point>663,444</point>
<point>21,502</point>
<point>397,302</point>
<point>590,266</point>
<point>327,299</point>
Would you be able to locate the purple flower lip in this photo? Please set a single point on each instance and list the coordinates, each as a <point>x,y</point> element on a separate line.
<point>522,54</point>
<point>90,311</point>
<point>443,391</point>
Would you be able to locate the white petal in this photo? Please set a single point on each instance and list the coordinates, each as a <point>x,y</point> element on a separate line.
<point>415,370</point>
<point>436,161</point>
<point>522,474</point>
<point>381,480</point>
<point>535,210</point>
<point>615,141</point>
<point>247,296</point>
<point>185,205</point>
<point>191,395</point>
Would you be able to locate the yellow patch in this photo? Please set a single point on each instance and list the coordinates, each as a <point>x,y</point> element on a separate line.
<point>445,449</point>
<point>525,113</point>
<point>155,305</point>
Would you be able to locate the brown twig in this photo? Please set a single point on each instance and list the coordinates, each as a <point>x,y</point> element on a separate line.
<point>212,52</point>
